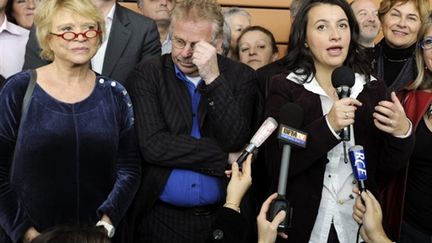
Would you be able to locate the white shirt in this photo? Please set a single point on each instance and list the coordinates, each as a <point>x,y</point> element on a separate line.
<point>13,40</point>
<point>166,45</point>
<point>98,60</point>
<point>337,199</point>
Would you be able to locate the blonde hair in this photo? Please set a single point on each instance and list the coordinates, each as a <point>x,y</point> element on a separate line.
<point>196,10</point>
<point>43,20</point>
<point>421,5</point>
<point>423,79</point>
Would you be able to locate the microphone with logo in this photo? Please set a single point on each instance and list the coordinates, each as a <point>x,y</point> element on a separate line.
<point>266,129</point>
<point>291,118</point>
<point>358,163</point>
<point>343,79</point>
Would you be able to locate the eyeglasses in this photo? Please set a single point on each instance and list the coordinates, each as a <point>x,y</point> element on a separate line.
<point>181,44</point>
<point>72,35</point>
<point>426,43</point>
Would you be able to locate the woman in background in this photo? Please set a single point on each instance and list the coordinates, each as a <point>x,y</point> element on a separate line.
<point>394,60</point>
<point>256,47</point>
<point>21,12</point>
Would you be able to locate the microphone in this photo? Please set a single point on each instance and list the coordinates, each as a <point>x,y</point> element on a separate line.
<point>291,117</point>
<point>358,163</point>
<point>266,129</point>
<point>343,79</point>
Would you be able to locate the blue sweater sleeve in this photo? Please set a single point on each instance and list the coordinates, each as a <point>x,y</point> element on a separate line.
<point>13,216</point>
<point>128,163</point>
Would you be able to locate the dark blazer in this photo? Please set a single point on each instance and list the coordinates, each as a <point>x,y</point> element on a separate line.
<point>133,38</point>
<point>163,120</point>
<point>384,153</point>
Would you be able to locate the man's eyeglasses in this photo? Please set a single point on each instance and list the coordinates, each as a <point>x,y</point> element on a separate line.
<point>181,44</point>
<point>426,43</point>
<point>72,35</point>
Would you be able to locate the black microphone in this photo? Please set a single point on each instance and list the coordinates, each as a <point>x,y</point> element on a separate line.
<point>265,130</point>
<point>291,117</point>
<point>358,163</point>
<point>343,79</point>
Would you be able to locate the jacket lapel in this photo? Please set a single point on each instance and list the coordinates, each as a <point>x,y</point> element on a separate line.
<point>117,42</point>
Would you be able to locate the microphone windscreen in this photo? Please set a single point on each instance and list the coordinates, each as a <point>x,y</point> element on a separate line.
<point>291,115</point>
<point>343,76</point>
<point>266,129</point>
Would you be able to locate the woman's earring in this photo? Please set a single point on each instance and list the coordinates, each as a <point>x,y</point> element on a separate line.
<point>306,45</point>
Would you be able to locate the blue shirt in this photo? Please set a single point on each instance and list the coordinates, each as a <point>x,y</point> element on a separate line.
<point>185,187</point>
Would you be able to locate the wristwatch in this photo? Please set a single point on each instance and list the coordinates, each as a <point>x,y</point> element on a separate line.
<point>109,228</point>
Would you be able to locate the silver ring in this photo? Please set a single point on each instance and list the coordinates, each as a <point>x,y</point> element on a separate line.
<point>391,122</point>
<point>346,115</point>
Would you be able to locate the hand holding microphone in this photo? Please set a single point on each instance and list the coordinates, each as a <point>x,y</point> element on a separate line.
<point>265,130</point>
<point>342,114</point>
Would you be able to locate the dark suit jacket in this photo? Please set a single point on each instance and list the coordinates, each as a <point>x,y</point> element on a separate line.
<point>164,121</point>
<point>133,38</point>
<point>384,153</point>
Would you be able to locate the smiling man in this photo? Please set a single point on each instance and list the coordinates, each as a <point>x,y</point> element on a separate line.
<point>366,13</point>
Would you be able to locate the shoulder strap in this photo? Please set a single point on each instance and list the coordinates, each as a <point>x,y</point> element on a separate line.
<point>28,94</point>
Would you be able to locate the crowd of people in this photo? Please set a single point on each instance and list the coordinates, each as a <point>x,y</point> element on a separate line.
<point>122,126</point>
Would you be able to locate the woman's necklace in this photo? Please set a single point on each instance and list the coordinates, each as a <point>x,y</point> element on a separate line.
<point>395,60</point>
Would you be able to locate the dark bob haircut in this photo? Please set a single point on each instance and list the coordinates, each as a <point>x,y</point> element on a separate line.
<point>299,58</point>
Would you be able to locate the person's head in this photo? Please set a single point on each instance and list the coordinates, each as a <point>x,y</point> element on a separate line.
<point>294,8</point>
<point>72,234</point>
<point>366,12</point>
<point>237,19</point>
<point>21,12</point>
<point>59,20</point>
<point>424,57</point>
<point>226,45</point>
<point>256,47</point>
<point>158,10</point>
<point>323,36</point>
<point>193,21</point>
<point>401,21</point>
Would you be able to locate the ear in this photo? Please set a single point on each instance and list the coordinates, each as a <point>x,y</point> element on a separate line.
<point>274,56</point>
<point>219,46</point>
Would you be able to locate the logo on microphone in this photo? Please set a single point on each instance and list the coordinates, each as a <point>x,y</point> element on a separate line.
<point>358,162</point>
<point>292,136</point>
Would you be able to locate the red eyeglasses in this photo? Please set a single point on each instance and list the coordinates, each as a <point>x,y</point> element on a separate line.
<point>89,34</point>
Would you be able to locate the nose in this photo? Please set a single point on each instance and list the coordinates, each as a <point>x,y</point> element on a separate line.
<point>252,51</point>
<point>371,17</point>
<point>31,4</point>
<point>402,22</point>
<point>164,2</point>
<point>334,33</point>
<point>187,51</point>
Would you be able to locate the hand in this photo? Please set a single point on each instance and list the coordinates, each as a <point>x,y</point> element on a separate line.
<point>239,184</point>
<point>106,219</point>
<point>370,215</point>
<point>30,234</point>
<point>267,231</point>
<point>205,58</point>
<point>389,117</point>
<point>342,113</point>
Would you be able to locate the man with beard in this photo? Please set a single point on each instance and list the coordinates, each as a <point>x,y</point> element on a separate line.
<point>193,109</point>
<point>159,11</point>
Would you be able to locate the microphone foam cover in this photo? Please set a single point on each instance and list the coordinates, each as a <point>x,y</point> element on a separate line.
<point>343,76</point>
<point>291,115</point>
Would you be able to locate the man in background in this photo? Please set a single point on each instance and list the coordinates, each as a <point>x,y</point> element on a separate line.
<point>159,11</point>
